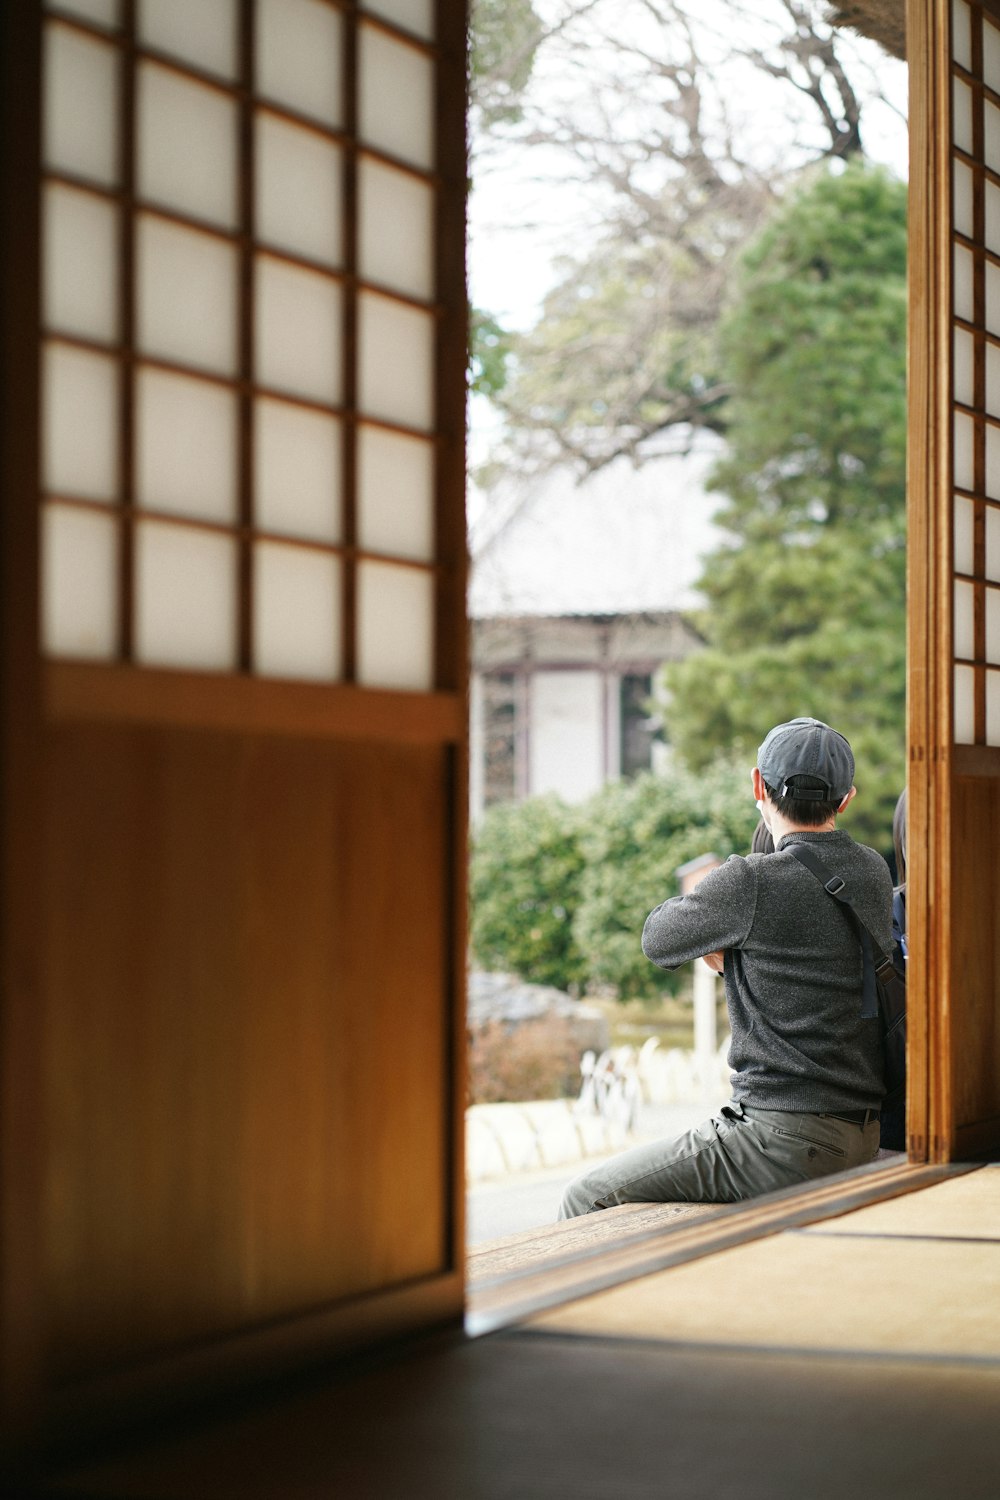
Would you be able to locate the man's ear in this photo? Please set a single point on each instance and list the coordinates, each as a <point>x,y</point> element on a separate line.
<point>759,790</point>
<point>849,798</point>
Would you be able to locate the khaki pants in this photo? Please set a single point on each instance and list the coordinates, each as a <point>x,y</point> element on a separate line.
<point>739,1153</point>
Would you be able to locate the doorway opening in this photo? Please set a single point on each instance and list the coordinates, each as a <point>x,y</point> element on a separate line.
<point>687,508</point>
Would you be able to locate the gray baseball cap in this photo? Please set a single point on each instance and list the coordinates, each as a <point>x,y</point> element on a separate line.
<point>810,748</point>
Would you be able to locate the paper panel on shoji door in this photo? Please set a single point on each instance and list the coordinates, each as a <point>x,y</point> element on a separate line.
<point>961,114</point>
<point>964,685</point>
<point>396,98</point>
<point>992,484</point>
<point>298,62</point>
<point>961,33</point>
<point>964,536</point>
<point>297,471</point>
<point>964,370</point>
<point>992,568</point>
<point>79,583</point>
<point>964,644</point>
<point>80,264</point>
<point>993,380</point>
<point>961,179</point>
<point>395,494</point>
<point>80,113</point>
<point>298,331</point>
<point>185,597</point>
<point>993,627</point>
<point>186,446</point>
<point>297,614</point>
<point>187,296</point>
<point>298,193</point>
<point>204,34</point>
<point>186,158</point>
<point>991,236</point>
<point>395,633</point>
<point>79,423</point>
<point>963,451</point>
<point>104,12</point>
<point>412,15</point>
<point>396,359</point>
<point>992,298</point>
<point>991,136</point>
<point>396,233</point>
<point>991,55</point>
<point>962,283</point>
<point>993,708</point>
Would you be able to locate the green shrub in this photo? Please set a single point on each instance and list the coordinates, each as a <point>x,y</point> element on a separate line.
<point>634,835</point>
<point>559,894</point>
<point>525,888</point>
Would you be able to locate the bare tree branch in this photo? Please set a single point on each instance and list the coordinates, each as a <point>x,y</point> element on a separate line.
<point>647,122</point>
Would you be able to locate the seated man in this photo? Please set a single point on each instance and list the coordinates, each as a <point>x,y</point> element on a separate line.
<point>807,1066</point>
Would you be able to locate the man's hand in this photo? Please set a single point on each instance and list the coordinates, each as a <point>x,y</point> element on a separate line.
<point>716,960</point>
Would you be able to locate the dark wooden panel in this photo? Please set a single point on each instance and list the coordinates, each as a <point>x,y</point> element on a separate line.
<point>89,692</point>
<point>20,1135</point>
<point>246,1033</point>
<point>980,761</point>
<point>975,957</point>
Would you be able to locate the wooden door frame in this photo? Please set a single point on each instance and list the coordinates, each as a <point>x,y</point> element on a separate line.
<point>942,775</point>
<point>929,625</point>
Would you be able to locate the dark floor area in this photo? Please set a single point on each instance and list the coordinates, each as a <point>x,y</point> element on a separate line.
<point>524,1415</point>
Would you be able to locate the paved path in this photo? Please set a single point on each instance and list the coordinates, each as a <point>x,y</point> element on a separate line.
<point>529,1199</point>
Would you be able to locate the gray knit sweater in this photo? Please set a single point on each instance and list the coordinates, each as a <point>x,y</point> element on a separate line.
<point>792,969</point>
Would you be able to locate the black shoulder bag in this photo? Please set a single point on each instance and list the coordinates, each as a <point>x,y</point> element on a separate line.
<point>883,995</point>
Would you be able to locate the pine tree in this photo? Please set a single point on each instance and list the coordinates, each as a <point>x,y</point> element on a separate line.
<point>806,597</point>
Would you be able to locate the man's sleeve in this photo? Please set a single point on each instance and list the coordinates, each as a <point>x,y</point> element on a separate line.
<point>718,913</point>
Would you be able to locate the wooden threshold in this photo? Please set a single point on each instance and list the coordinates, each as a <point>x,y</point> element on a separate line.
<point>497,1302</point>
<point>569,1239</point>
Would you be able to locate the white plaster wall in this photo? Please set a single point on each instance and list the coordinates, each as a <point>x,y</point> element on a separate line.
<point>566,753</point>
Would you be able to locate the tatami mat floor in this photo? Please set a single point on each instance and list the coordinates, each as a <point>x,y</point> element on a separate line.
<point>811,1292</point>
<point>918,1276</point>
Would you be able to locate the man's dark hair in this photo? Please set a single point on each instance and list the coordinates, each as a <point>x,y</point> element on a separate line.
<point>805,810</point>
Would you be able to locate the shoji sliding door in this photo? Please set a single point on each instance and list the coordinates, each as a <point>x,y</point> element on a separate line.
<point>247,646</point>
<point>954,895</point>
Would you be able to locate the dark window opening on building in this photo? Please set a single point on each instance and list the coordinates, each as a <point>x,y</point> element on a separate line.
<point>638,728</point>
<point>499,737</point>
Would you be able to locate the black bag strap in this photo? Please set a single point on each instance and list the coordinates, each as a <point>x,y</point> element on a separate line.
<point>835,887</point>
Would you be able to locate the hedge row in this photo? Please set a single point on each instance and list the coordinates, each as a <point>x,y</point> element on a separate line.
<point>559,894</point>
